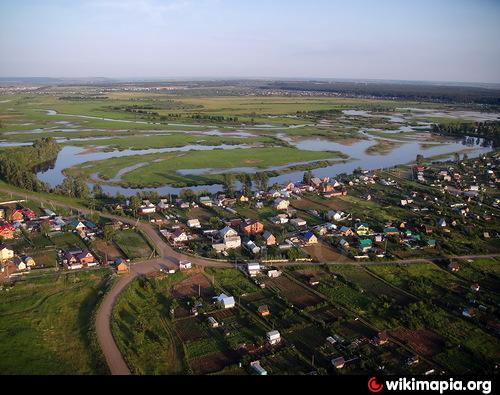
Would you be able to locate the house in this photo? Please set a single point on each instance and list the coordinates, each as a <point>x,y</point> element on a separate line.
<point>2,213</point>
<point>338,363</point>
<point>77,225</point>
<point>346,231</point>
<point>252,227</point>
<point>252,247</point>
<point>258,369</point>
<point>313,280</point>
<point>442,222</point>
<point>263,311</point>
<point>162,205</point>
<point>381,338</point>
<point>122,267</point>
<point>29,261</point>
<point>230,238</point>
<point>269,238</point>
<point>336,215</point>
<point>17,215</point>
<point>431,243</point>
<point>206,201</point>
<point>49,213</point>
<point>391,231</point>
<point>5,253</point>
<point>365,244</point>
<point>281,204</point>
<point>193,223</point>
<point>243,199</point>
<point>298,222</point>
<point>315,182</point>
<point>309,237</point>
<point>20,265</point>
<point>280,219</point>
<point>475,287</point>
<point>274,273</point>
<point>147,208</point>
<point>454,267</point>
<point>85,257</point>
<point>184,265</point>
<point>225,301</point>
<point>273,337</point>
<point>344,244</point>
<point>253,269</point>
<point>362,229</point>
<point>212,322</point>
<point>179,236</point>
<point>469,312</point>
<point>7,231</point>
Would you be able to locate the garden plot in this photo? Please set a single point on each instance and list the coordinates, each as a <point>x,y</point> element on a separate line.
<point>294,293</point>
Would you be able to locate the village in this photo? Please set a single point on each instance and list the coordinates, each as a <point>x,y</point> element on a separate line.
<point>283,308</point>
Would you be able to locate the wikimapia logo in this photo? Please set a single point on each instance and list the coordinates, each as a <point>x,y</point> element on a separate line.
<point>404,384</point>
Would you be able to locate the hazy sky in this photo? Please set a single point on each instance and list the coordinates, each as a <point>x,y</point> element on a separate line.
<point>445,40</point>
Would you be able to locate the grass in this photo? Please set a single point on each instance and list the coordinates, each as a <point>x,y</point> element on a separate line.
<point>46,325</point>
<point>143,329</point>
<point>161,168</point>
<point>233,281</point>
<point>132,244</point>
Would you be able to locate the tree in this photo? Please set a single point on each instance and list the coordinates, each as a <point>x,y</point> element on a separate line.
<point>246,184</point>
<point>456,155</point>
<point>109,232</point>
<point>420,160</point>
<point>228,183</point>
<point>135,203</point>
<point>97,191</point>
<point>45,228</point>
<point>307,177</point>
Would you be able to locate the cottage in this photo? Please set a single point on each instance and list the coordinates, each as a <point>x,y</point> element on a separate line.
<point>346,231</point>
<point>179,236</point>
<point>122,267</point>
<point>381,338</point>
<point>227,302</point>
<point>212,322</point>
<point>274,273</point>
<point>251,227</point>
<point>206,201</point>
<point>454,267</point>
<point>252,247</point>
<point>5,253</point>
<point>298,222</point>
<point>281,204</point>
<point>273,337</point>
<point>336,215</point>
<point>309,237</point>
<point>263,311</point>
<point>338,363</point>
<point>269,238</point>
<point>230,238</point>
<point>253,269</point>
<point>469,312</point>
<point>256,366</point>
<point>85,257</point>
<point>313,280</point>
<point>475,287</point>
<point>147,208</point>
<point>162,205</point>
<point>344,244</point>
<point>362,229</point>
<point>365,244</point>
<point>185,265</point>
<point>77,225</point>
<point>193,223</point>
<point>442,222</point>
<point>391,231</point>
<point>280,219</point>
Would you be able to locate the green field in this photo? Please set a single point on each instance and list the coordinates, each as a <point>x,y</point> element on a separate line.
<point>160,169</point>
<point>46,324</point>
<point>132,244</point>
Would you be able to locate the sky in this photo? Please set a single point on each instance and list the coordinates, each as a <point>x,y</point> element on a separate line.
<point>426,40</point>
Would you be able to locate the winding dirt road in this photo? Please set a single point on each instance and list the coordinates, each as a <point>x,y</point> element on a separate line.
<point>169,258</point>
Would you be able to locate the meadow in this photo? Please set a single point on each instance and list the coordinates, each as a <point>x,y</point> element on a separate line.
<point>46,324</point>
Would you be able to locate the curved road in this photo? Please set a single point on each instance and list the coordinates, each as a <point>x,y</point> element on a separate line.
<point>170,258</point>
